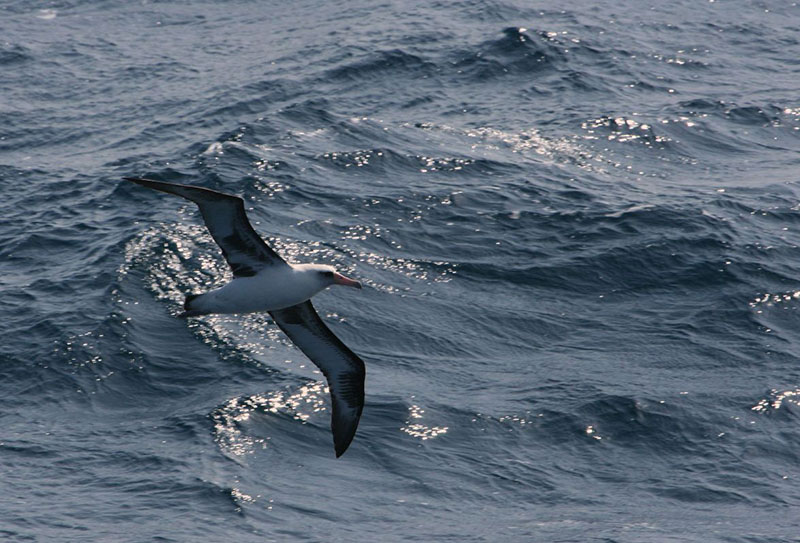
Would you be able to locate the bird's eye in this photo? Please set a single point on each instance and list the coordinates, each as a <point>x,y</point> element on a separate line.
<point>328,274</point>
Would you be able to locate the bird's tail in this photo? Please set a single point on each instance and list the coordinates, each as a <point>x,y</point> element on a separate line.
<point>190,307</point>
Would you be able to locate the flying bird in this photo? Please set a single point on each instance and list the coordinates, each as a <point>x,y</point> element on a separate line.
<point>263,281</point>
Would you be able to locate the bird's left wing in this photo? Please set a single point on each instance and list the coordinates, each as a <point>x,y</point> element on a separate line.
<point>225,218</point>
<point>341,366</point>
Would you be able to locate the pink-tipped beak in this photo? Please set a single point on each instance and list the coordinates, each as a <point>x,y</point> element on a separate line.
<point>340,279</point>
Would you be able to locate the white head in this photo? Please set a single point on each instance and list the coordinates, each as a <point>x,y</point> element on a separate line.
<point>326,275</point>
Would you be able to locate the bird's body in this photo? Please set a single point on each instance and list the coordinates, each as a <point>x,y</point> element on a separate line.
<point>263,281</point>
<point>269,290</point>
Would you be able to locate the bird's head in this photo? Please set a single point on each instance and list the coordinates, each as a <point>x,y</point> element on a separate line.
<point>328,275</point>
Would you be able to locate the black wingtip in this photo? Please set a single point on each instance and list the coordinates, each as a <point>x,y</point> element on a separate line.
<point>340,448</point>
<point>144,182</point>
<point>344,430</point>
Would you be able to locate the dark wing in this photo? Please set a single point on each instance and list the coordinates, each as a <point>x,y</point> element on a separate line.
<point>227,222</point>
<point>343,369</point>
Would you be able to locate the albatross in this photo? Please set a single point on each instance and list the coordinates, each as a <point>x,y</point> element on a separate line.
<point>263,281</point>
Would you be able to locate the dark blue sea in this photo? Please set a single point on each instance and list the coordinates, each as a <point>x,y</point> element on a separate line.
<point>577,226</point>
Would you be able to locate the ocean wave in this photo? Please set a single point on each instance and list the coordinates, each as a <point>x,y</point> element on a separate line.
<point>388,64</point>
<point>13,54</point>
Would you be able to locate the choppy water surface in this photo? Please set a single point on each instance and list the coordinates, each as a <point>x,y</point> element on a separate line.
<point>577,226</point>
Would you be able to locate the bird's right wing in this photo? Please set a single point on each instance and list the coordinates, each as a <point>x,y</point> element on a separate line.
<point>341,366</point>
<point>225,218</point>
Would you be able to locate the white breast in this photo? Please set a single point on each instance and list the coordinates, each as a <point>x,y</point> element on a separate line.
<point>269,290</point>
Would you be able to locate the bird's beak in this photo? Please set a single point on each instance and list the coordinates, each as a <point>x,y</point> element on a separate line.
<point>340,279</point>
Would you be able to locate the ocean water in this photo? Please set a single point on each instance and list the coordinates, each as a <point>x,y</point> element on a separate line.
<point>577,224</point>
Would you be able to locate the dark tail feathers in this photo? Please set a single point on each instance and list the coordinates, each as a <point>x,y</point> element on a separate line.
<point>187,306</point>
